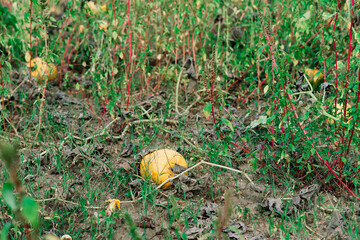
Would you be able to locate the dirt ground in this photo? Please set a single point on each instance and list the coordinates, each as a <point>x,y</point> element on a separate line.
<point>62,173</point>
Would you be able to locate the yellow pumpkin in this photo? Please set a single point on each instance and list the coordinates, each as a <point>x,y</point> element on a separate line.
<point>41,70</point>
<point>315,78</point>
<point>157,166</point>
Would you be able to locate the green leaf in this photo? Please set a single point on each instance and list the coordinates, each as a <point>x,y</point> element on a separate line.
<point>8,195</point>
<point>261,49</point>
<point>340,64</point>
<point>306,116</point>
<point>114,35</point>
<point>207,111</point>
<point>5,231</point>
<point>30,210</point>
<point>292,147</point>
<point>227,123</point>
<point>327,15</point>
<point>261,120</point>
<point>236,230</point>
<point>312,151</point>
<point>357,37</point>
<point>305,17</point>
<point>266,89</point>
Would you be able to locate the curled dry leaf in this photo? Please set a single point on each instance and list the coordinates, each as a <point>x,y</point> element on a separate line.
<point>145,222</point>
<point>177,169</point>
<point>190,68</point>
<point>336,221</point>
<point>273,204</point>
<point>257,188</point>
<point>128,148</point>
<point>194,233</point>
<point>136,183</point>
<point>208,209</point>
<point>113,203</point>
<point>235,229</point>
<point>186,184</point>
<point>126,166</point>
<point>258,237</point>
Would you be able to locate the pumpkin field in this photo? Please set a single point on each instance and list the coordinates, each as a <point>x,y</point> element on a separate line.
<point>184,119</point>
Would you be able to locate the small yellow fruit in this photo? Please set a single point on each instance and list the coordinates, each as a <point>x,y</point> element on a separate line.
<point>41,70</point>
<point>92,7</point>
<point>315,77</point>
<point>340,113</point>
<point>349,25</point>
<point>81,28</point>
<point>103,8</point>
<point>103,26</point>
<point>157,166</point>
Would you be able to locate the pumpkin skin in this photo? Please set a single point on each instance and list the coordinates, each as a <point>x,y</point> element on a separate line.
<point>315,78</point>
<point>157,166</point>
<point>42,70</point>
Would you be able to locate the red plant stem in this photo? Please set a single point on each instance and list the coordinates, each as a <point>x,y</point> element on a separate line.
<point>264,165</point>
<point>62,28</point>
<point>81,89</point>
<point>316,152</point>
<point>239,78</point>
<point>273,65</point>
<point>354,125</point>
<point>30,45</point>
<point>212,102</point>
<point>151,76</point>
<point>162,75</point>
<point>2,87</point>
<point>114,12</point>
<point>66,50</point>
<point>336,16</point>
<point>323,55</point>
<point>324,63</point>
<point>129,64</point>
<point>86,98</point>
<point>41,107</point>
<point>335,102</point>
<point>253,91</point>
<point>60,32</point>
<point>72,50</point>
<point>193,50</point>
<point>337,79</point>
<point>111,80</point>
<point>239,98</point>
<point>238,131</point>
<point>213,115</point>
<point>346,87</point>
<point>317,174</point>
